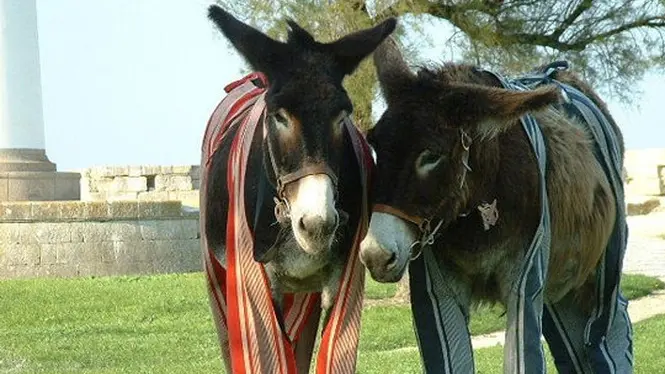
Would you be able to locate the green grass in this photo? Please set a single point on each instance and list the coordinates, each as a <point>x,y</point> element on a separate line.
<point>648,348</point>
<point>634,286</point>
<point>375,290</point>
<point>162,324</point>
<point>490,319</point>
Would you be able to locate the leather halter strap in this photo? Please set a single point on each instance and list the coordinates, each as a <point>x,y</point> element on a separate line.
<point>427,232</point>
<point>305,171</point>
<point>383,208</point>
<point>282,208</point>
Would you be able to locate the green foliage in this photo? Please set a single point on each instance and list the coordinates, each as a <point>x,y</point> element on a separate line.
<point>610,43</point>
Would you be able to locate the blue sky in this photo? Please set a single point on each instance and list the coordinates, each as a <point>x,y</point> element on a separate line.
<point>134,82</point>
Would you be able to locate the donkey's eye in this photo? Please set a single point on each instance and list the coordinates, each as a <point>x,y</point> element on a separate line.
<point>280,118</point>
<point>427,161</point>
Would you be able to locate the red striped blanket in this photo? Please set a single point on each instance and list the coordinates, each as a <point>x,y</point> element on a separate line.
<point>240,294</point>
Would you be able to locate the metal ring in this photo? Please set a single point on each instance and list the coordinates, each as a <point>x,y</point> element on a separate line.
<point>419,246</point>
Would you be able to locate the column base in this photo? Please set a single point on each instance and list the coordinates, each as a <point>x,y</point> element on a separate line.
<point>28,175</point>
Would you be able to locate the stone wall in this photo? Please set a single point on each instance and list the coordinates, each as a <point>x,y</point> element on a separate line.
<point>645,169</point>
<point>147,182</point>
<point>97,238</point>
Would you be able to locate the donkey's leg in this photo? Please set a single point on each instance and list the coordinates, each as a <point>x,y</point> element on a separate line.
<point>440,307</point>
<point>563,328</point>
<point>569,333</point>
<point>304,347</point>
<point>523,351</point>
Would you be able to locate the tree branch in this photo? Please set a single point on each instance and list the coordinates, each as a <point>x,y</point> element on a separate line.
<point>652,22</point>
<point>572,17</point>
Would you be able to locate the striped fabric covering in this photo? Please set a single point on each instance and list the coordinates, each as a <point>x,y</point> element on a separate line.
<point>240,294</point>
<point>600,344</point>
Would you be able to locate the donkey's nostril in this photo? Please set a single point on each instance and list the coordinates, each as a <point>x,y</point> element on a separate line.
<point>317,226</point>
<point>301,224</point>
<point>392,261</point>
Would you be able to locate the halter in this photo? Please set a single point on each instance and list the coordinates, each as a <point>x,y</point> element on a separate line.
<point>427,233</point>
<point>282,207</point>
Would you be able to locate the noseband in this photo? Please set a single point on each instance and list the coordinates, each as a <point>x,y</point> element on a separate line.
<point>427,232</point>
<point>282,207</point>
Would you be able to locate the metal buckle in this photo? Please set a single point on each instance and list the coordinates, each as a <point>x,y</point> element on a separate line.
<point>425,240</point>
<point>466,145</point>
<point>419,247</point>
<point>282,210</point>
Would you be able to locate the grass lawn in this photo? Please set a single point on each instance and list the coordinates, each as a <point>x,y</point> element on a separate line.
<point>649,345</point>
<point>162,324</point>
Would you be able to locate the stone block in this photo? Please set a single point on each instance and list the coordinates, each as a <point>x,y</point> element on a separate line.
<point>166,169</point>
<point>95,232</point>
<point>188,198</point>
<point>128,184</point>
<point>19,272</point>
<point>120,171</point>
<point>45,232</point>
<point>124,209</point>
<point>72,210</point>
<point>46,210</point>
<point>57,270</point>
<point>643,207</point>
<point>173,182</point>
<point>33,186</point>
<point>104,171</point>
<point>101,252</point>
<point>123,196</point>
<point>96,210</point>
<point>661,178</point>
<point>10,233</point>
<point>159,209</point>
<point>135,171</point>
<point>135,251</point>
<point>48,254</point>
<point>78,253</point>
<point>21,254</point>
<point>169,229</point>
<point>181,169</point>
<point>15,211</point>
<point>151,170</point>
<point>171,209</point>
<point>102,185</point>
<point>153,196</point>
<point>132,258</point>
<point>67,186</point>
<point>93,196</point>
<point>177,256</point>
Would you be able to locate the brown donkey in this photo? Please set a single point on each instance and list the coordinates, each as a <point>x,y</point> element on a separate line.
<point>457,174</point>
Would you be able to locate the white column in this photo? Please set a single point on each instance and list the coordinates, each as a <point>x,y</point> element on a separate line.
<point>21,116</point>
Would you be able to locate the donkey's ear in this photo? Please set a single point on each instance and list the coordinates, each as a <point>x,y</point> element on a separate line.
<point>494,109</point>
<point>351,49</point>
<point>392,71</point>
<point>259,50</point>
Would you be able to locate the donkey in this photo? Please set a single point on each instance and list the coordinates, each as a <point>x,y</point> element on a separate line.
<point>303,192</point>
<point>456,173</point>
